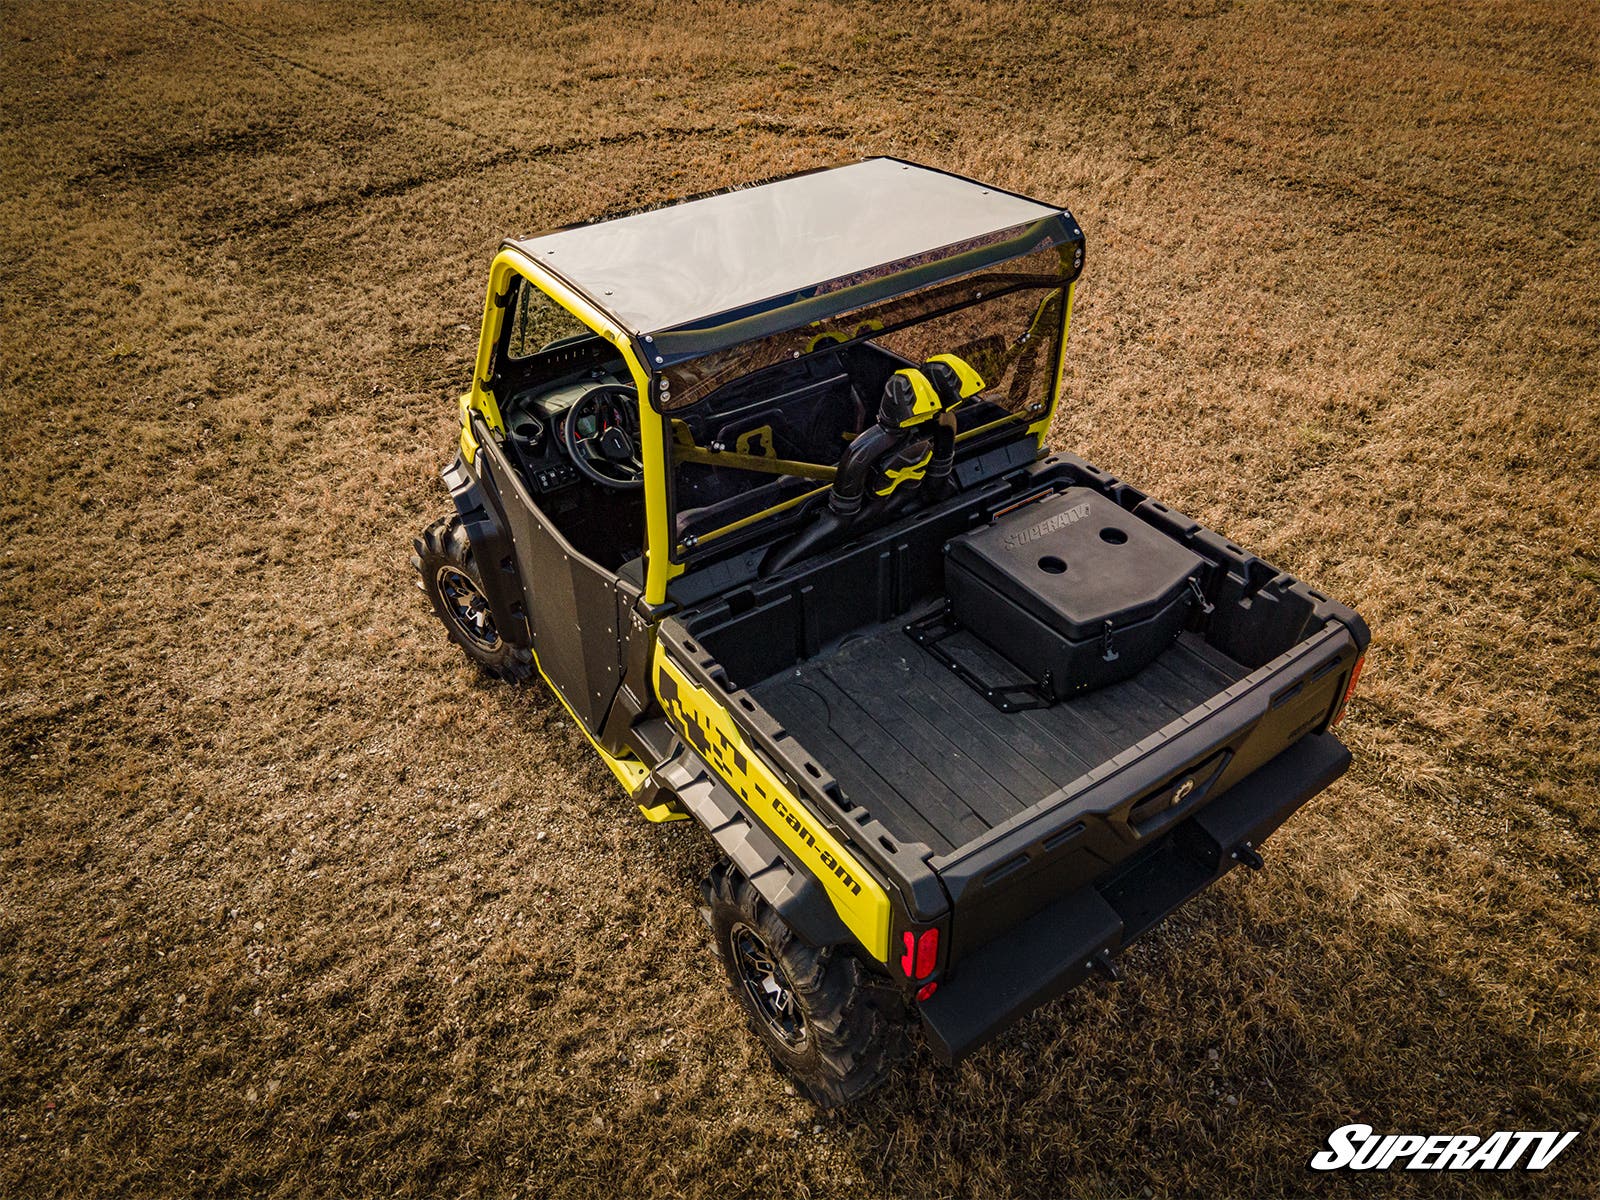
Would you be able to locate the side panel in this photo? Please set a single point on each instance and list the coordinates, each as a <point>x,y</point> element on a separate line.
<point>861,903</point>
<point>660,568</point>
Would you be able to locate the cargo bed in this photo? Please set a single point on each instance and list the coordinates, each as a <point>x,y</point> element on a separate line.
<point>981,795</point>
<point>935,761</point>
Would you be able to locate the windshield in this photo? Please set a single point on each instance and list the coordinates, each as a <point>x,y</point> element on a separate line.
<point>688,383</point>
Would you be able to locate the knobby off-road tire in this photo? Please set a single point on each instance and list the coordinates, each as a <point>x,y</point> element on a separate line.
<point>450,578</point>
<point>819,1013</point>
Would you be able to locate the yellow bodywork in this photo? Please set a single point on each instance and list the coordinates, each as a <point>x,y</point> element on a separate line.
<point>1041,427</point>
<point>861,903</point>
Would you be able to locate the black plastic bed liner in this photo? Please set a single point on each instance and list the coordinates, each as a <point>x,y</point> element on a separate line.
<point>936,762</point>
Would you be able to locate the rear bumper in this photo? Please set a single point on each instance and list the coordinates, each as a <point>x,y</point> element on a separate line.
<point>1053,950</point>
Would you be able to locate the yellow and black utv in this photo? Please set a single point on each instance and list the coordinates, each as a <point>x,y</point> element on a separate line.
<point>757,483</point>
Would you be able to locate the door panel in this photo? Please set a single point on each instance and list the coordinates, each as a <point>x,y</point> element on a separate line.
<point>572,603</point>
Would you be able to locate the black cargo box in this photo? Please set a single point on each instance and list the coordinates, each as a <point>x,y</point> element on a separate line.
<point>1076,592</point>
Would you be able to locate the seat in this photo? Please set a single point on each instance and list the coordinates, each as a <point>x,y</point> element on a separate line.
<point>695,523</point>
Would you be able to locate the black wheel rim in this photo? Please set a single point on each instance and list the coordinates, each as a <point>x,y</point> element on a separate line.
<point>767,988</point>
<point>468,608</point>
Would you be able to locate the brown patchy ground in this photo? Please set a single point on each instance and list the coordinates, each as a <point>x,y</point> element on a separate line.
<point>277,917</point>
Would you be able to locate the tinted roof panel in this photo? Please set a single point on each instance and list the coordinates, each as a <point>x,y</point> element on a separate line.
<point>674,266</point>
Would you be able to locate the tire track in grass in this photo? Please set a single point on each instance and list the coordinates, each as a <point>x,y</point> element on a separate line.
<point>500,153</point>
<point>256,49</point>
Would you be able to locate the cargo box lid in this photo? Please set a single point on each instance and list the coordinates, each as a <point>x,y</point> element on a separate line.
<point>1076,561</point>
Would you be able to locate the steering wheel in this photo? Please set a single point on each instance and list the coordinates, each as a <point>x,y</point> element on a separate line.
<point>601,435</point>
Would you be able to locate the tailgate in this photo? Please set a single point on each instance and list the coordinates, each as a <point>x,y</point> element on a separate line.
<point>1055,948</point>
<point>1083,832</point>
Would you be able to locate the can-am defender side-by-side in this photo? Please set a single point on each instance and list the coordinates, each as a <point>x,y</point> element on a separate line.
<point>757,484</point>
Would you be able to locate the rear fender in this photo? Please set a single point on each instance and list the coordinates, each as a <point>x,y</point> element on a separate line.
<point>797,896</point>
<point>777,812</point>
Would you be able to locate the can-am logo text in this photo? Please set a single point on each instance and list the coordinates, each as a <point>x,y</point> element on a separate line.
<point>1358,1148</point>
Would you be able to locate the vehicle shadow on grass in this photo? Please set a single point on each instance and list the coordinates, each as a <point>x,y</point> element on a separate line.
<point>1234,1045</point>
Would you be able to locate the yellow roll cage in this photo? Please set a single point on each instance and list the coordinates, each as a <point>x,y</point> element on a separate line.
<point>658,448</point>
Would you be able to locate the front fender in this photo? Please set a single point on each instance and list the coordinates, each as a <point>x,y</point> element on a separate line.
<point>492,550</point>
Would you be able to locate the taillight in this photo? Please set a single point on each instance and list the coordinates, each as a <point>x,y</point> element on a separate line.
<point>927,990</point>
<point>1350,690</point>
<point>921,953</point>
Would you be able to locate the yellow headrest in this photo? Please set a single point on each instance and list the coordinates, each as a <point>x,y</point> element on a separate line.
<point>971,382</point>
<point>910,403</point>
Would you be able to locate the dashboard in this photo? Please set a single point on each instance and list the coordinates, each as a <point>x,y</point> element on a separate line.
<point>533,419</point>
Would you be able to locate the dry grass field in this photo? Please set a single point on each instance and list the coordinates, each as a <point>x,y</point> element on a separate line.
<point>293,903</point>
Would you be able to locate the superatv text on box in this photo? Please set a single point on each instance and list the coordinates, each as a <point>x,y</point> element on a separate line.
<point>757,483</point>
